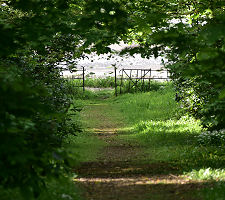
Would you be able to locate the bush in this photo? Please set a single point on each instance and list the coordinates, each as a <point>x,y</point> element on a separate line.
<point>34,119</point>
<point>216,138</point>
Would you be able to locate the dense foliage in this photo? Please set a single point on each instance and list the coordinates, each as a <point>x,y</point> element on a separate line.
<point>34,99</point>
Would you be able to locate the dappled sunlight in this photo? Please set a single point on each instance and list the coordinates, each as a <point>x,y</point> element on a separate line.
<point>138,180</point>
<point>175,141</point>
<point>184,125</point>
<point>161,134</point>
<point>105,131</point>
<point>122,173</point>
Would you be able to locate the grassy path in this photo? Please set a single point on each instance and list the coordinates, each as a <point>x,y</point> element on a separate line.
<point>124,169</point>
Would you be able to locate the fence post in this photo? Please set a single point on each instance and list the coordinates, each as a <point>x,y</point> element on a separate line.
<point>136,85</point>
<point>142,80</point>
<point>83,80</point>
<point>130,79</point>
<point>121,82</point>
<point>115,82</point>
<point>149,83</point>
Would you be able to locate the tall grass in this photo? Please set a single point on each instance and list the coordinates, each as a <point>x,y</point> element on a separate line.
<point>94,82</point>
<point>108,82</point>
<point>155,105</point>
<point>128,86</point>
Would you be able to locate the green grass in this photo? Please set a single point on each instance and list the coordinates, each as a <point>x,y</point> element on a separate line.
<point>154,120</point>
<point>154,105</point>
<point>84,147</point>
<point>108,82</point>
<point>128,86</point>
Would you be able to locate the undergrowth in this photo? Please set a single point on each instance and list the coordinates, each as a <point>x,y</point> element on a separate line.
<point>59,189</point>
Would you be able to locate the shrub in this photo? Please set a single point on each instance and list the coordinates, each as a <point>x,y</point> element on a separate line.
<point>212,138</point>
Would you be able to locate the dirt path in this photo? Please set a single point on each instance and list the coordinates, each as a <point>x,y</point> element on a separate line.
<point>122,171</point>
